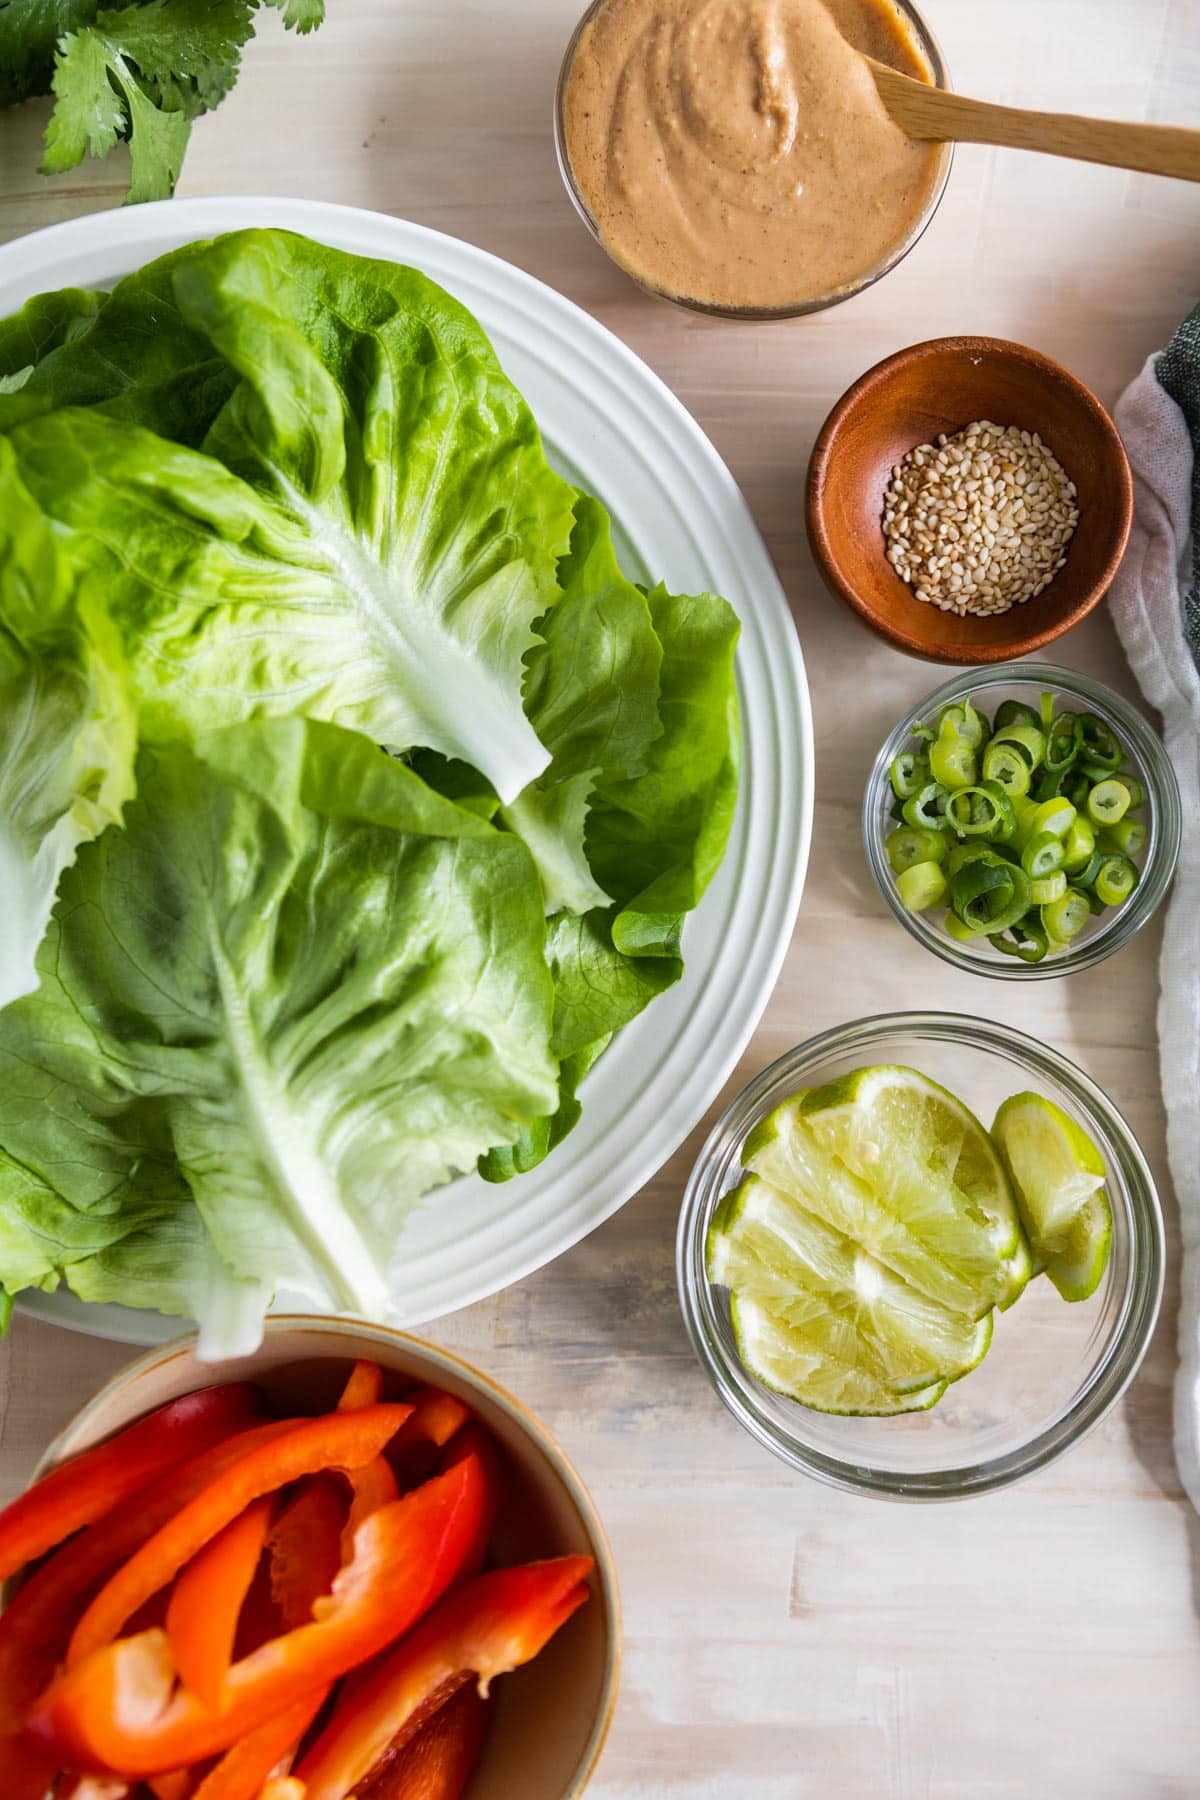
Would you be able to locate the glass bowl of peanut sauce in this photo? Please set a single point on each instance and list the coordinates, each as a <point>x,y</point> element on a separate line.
<point>733,156</point>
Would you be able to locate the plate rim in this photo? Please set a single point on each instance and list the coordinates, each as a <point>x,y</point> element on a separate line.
<point>138,231</point>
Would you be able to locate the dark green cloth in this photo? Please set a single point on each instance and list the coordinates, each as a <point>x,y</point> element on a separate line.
<point>1178,369</point>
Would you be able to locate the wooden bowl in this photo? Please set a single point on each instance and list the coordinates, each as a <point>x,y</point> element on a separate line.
<point>910,399</point>
<point>551,1717</point>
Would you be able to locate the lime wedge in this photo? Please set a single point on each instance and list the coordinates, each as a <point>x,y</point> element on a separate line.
<point>822,1319</point>
<point>903,1169</point>
<point>785,1361</point>
<point>1058,1177</point>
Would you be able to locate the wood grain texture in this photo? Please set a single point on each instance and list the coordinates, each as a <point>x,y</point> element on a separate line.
<point>786,1642</point>
<point>934,114</point>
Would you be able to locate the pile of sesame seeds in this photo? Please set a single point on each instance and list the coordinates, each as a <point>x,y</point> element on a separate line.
<point>980,521</point>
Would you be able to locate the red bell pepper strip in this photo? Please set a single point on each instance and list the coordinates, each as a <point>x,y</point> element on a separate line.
<point>363,1388</point>
<point>436,1416</point>
<point>36,1625</point>
<point>244,1768</point>
<point>306,1548</point>
<point>339,1440</point>
<point>89,1486</point>
<point>120,1709</point>
<point>438,1762</point>
<point>283,1787</point>
<point>371,1487</point>
<point>493,1624</point>
<point>474,1440</point>
<point>206,1602</point>
<point>177,1785</point>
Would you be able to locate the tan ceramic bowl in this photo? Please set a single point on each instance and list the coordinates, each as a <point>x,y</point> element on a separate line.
<point>910,399</point>
<point>552,1716</point>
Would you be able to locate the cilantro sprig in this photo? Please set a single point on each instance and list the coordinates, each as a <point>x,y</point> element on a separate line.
<point>137,73</point>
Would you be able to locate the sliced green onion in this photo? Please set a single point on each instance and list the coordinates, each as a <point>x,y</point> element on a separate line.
<point>1126,838</point>
<point>1004,764</point>
<point>1137,793</point>
<point>1062,743</point>
<point>1027,939</point>
<point>952,760</point>
<point>927,807</point>
<point>964,853</point>
<point>1028,739</point>
<point>1085,877</point>
<point>1047,709</point>
<point>909,771</point>
<point>1098,743</point>
<point>954,927</point>
<point>1079,845</point>
<point>984,812</point>
<point>1014,712</point>
<point>965,720</point>
<point>1042,855</point>
<point>1024,814</point>
<point>991,894</point>
<point>1108,802</point>
<point>1064,919</point>
<point>1116,880</point>
<point>922,886</point>
<point>913,844</point>
<point>1055,816</point>
<point>1049,887</point>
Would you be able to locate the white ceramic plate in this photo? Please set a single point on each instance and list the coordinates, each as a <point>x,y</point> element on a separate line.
<point>612,427</point>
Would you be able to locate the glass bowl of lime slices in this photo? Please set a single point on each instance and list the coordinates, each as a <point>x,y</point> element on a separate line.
<point>920,1256</point>
<point>1023,822</point>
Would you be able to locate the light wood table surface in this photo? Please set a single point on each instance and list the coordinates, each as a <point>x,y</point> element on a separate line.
<point>784,1640</point>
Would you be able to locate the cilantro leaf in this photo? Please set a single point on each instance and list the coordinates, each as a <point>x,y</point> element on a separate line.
<point>29,31</point>
<point>140,72</point>
<point>300,15</point>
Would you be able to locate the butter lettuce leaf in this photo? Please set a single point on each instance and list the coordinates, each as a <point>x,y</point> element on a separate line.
<point>299,984</point>
<point>67,733</point>
<point>373,410</point>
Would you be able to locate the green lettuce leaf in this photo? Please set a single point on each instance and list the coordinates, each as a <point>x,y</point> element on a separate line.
<point>66,725</point>
<point>299,979</point>
<point>656,841</point>
<point>373,409</point>
<point>130,353</point>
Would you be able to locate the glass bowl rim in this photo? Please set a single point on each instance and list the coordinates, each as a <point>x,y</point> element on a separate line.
<point>761,314</point>
<point>1162,788</point>
<point>1108,1379</point>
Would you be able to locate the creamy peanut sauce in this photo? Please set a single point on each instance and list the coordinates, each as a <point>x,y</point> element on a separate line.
<point>736,152</point>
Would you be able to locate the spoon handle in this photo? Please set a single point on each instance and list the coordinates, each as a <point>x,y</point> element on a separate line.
<point>935,113</point>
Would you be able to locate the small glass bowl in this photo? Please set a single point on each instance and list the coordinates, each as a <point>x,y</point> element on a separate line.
<point>1162,814</point>
<point>1053,1370</point>
<point>930,49</point>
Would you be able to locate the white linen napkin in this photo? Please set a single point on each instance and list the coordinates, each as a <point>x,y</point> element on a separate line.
<point>1147,603</point>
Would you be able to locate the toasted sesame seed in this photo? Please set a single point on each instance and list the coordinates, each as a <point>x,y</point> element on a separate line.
<point>981,520</point>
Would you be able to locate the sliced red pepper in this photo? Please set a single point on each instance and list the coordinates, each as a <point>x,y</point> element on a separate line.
<point>439,1760</point>
<point>475,1440</point>
<point>283,1787</point>
<point>83,1490</point>
<point>363,1388</point>
<point>436,1416</point>
<point>306,1548</point>
<point>339,1440</point>
<point>206,1602</point>
<point>36,1625</point>
<point>493,1624</point>
<point>119,1710</point>
<point>245,1767</point>
<point>371,1487</point>
<point>178,1785</point>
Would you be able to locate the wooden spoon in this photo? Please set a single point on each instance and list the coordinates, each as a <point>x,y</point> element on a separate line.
<point>926,112</point>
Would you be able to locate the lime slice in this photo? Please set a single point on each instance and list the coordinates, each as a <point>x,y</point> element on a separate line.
<point>1058,1176</point>
<point>850,1326</point>
<point>901,1167</point>
<point>787,1362</point>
